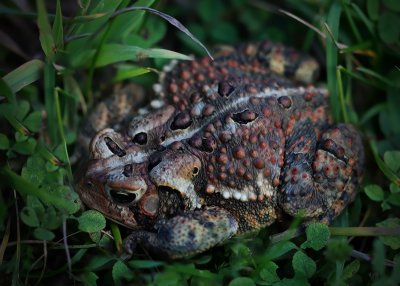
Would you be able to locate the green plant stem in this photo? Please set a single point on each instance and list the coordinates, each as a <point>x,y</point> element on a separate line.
<point>286,235</point>
<point>364,231</point>
<point>341,94</point>
<point>62,135</point>
<point>89,80</point>
<point>117,236</point>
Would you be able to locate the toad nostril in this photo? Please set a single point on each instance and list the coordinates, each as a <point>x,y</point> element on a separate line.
<point>127,170</point>
<point>153,162</point>
<point>113,147</point>
<point>89,184</point>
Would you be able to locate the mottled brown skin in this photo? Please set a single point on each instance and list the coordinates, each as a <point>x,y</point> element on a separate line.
<point>230,145</point>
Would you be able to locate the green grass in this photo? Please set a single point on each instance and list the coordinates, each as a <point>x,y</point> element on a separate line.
<point>60,62</point>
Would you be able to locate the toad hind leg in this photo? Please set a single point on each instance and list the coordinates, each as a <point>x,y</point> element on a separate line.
<point>187,234</point>
<point>320,178</point>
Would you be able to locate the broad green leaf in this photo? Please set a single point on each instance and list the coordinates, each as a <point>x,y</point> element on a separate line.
<point>34,171</point>
<point>191,270</point>
<point>303,265</point>
<point>389,27</point>
<point>4,142</point>
<point>20,137</point>
<point>24,75</point>
<point>22,132</point>
<point>392,160</point>
<point>392,241</point>
<point>112,53</point>
<point>394,199</point>
<point>89,278</point>
<point>351,269</point>
<point>65,193</point>
<point>268,272</point>
<point>60,154</point>
<point>23,110</point>
<point>279,249</point>
<point>317,236</point>
<point>34,203</point>
<point>121,271</point>
<point>242,281</point>
<point>33,121</point>
<point>95,236</point>
<point>43,234</point>
<point>394,189</point>
<point>393,5</point>
<point>51,219</point>
<point>7,92</point>
<point>25,148</point>
<point>240,249</point>
<point>374,192</point>
<point>385,206</point>
<point>45,33</point>
<point>29,217</point>
<point>167,278</point>
<point>91,221</point>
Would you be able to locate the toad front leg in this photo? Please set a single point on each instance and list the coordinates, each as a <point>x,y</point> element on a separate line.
<point>187,234</point>
<point>320,177</point>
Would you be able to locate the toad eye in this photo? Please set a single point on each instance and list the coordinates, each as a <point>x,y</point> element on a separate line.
<point>140,138</point>
<point>122,197</point>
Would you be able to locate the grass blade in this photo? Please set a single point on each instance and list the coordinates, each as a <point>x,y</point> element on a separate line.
<point>382,166</point>
<point>49,82</point>
<point>112,53</point>
<point>45,33</point>
<point>376,75</point>
<point>333,21</point>
<point>62,136</point>
<point>363,18</point>
<point>174,22</point>
<point>24,75</point>
<point>58,28</point>
<point>24,187</point>
<point>341,93</point>
<point>351,22</point>
<point>129,71</point>
<point>7,92</point>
